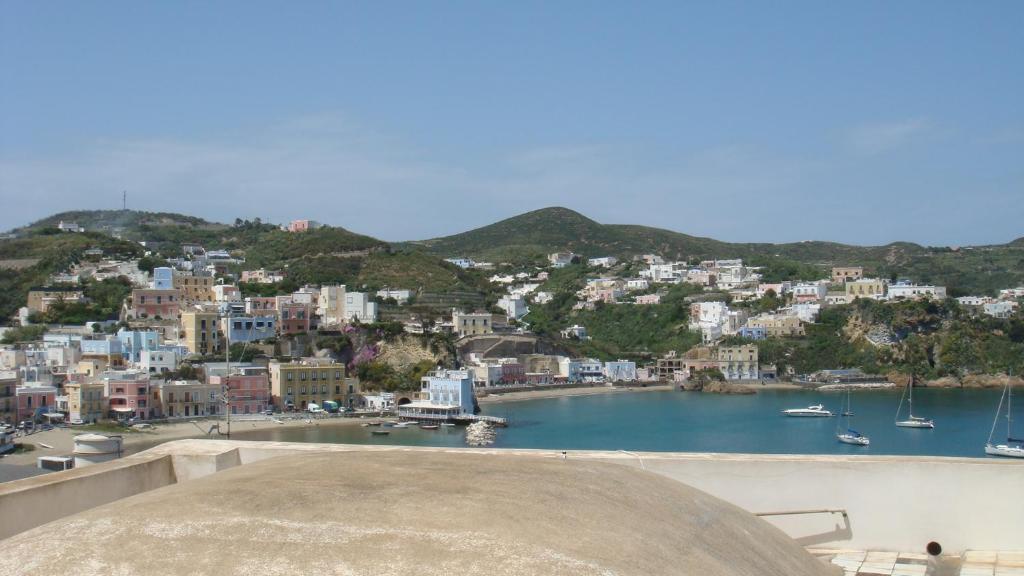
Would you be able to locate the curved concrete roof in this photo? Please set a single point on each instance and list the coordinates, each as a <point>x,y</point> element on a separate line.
<point>423,513</point>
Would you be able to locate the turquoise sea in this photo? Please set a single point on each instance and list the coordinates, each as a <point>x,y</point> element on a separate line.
<point>694,422</point>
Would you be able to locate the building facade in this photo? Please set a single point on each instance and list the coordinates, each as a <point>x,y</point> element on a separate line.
<point>296,385</point>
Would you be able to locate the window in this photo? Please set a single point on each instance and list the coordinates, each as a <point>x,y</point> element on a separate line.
<point>323,375</point>
<point>289,390</point>
<point>337,374</point>
<point>289,374</point>
<point>323,388</point>
<point>302,376</point>
<point>302,390</point>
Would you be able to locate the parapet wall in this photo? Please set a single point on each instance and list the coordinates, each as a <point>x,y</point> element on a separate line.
<point>890,503</point>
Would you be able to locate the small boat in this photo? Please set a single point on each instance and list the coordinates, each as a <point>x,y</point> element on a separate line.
<point>402,425</point>
<point>851,436</point>
<point>811,411</point>
<point>911,421</point>
<point>1009,450</point>
<point>429,426</point>
<point>448,424</point>
<point>380,432</point>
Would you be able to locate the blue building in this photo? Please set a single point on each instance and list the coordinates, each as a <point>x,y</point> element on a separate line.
<point>134,342</point>
<point>101,346</point>
<point>249,328</point>
<point>163,278</point>
<point>755,333</point>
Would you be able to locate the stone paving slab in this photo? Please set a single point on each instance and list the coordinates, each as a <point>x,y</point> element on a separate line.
<point>882,563</point>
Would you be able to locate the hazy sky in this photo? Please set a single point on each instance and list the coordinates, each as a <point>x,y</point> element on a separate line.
<point>861,122</point>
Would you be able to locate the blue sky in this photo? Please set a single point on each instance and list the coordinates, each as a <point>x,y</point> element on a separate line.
<point>861,122</point>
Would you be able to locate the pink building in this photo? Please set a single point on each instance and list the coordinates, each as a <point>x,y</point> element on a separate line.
<point>153,302</point>
<point>33,399</point>
<point>303,225</point>
<point>294,318</point>
<point>248,390</point>
<point>129,394</point>
<point>512,373</point>
<point>649,299</point>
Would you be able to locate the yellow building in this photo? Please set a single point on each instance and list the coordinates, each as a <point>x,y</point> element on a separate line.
<point>310,381</point>
<point>40,298</point>
<point>842,274</point>
<point>472,324</point>
<point>739,362</point>
<point>194,288</point>
<point>187,398</point>
<point>776,325</point>
<point>200,332</point>
<point>866,288</point>
<point>86,401</point>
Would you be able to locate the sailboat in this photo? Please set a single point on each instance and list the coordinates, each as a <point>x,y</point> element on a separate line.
<point>1009,449</point>
<point>911,421</point>
<point>851,436</point>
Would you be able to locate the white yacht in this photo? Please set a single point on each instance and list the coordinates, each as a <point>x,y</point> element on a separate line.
<point>1009,450</point>
<point>911,421</point>
<point>811,411</point>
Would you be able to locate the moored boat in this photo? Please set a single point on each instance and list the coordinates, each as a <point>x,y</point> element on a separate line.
<point>851,436</point>
<point>817,410</point>
<point>1008,450</point>
<point>429,426</point>
<point>911,421</point>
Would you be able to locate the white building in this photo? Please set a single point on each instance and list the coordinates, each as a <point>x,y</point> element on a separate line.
<point>575,332</point>
<point>331,304</point>
<point>1002,309</point>
<point>581,369</point>
<point>671,273</point>
<point>561,259</point>
<point>634,284</point>
<point>514,306</point>
<point>464,263</point>
<point>358,306</point>
<point>398,295</point>
<point>1011,293</point>
<point>810,291</point>
<point>915,292</point>
<point>604,261</point>
<point>159,361</point>
<point>444,393</point>
<point>806,311</point>
<point>620,371</point>
<point>973,300</point>
<point>543,297</point>
<point>381,402</point>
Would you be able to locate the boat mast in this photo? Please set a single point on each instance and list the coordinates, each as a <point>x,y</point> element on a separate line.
<point>998,411</point>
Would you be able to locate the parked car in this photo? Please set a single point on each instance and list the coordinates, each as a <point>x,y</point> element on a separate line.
<point>268,412</point>
<point>77,422</point>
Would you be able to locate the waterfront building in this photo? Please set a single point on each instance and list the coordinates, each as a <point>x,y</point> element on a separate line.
<point>738,362</point>
<point>247,388</point>
<point>9,380</point>
<point>189,398</point>
<point>581,370</point>
<point>443,394</point>
<point>296,385</point>
<point>33,400</point>
<point>128,394</point>
<point>620,371</point>
<point>86,400</point>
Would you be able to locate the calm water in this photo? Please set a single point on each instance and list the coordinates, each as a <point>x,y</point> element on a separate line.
<point>694,422</point>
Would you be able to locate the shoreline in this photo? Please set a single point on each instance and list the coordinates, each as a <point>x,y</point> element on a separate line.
<point>539,394</point>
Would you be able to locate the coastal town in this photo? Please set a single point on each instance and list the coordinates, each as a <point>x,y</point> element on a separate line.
<point>192,338</point>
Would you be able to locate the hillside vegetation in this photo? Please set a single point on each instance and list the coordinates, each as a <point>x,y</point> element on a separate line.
<point>529,237</point>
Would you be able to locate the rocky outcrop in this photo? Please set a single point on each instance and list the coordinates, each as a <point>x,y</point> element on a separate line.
<point>717,387</point>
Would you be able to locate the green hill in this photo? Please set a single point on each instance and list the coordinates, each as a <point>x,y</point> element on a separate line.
<point>529,237</point>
